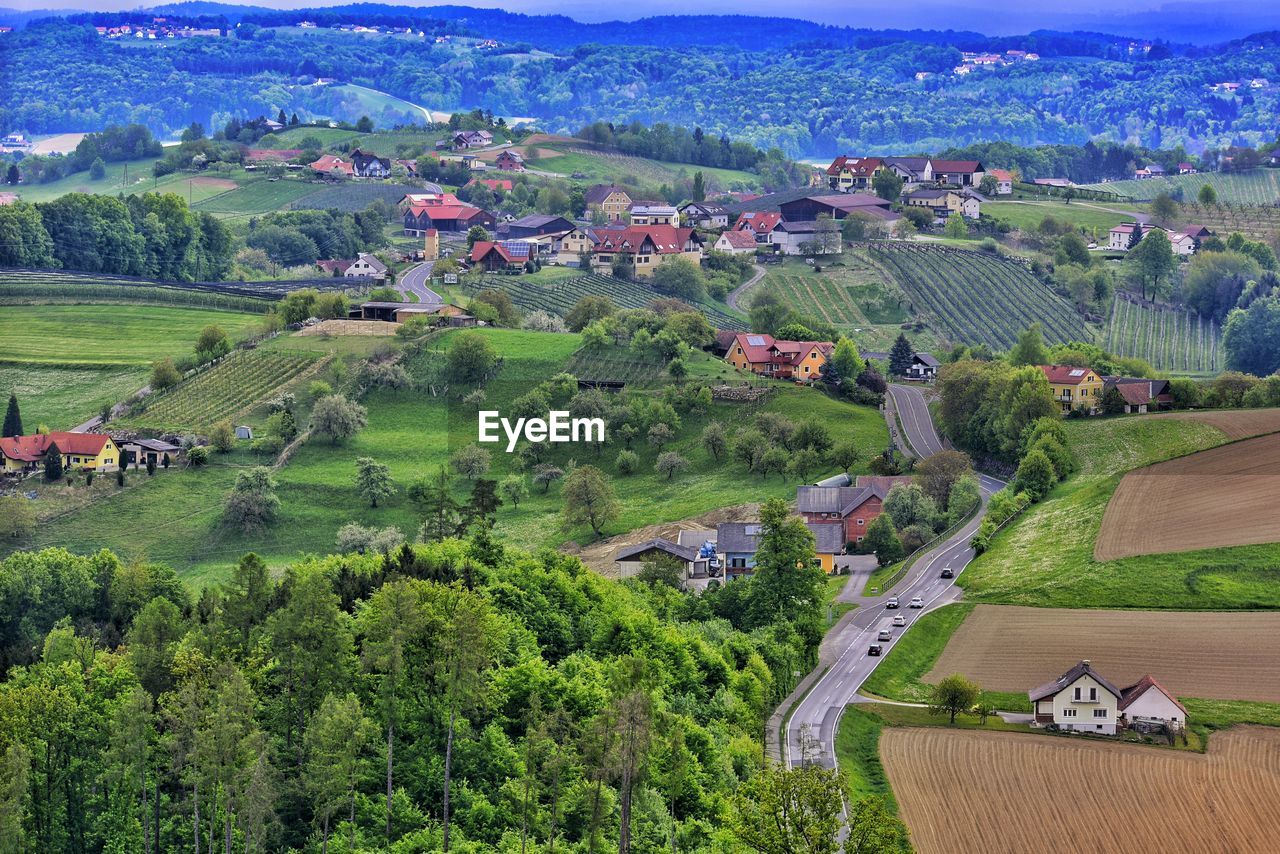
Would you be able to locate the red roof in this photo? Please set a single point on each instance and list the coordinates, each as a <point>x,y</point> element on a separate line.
<point>338,264</point>
<point>667,239</point>
<point>955,166</point>
<point>1001,174</point>
<point>329,163</point>
<point>503,184</point>
<point>1065,374</point>
<point>861,167</point>
<point>760,348</point>
<point>484,247</point>
<point>33,448</point>
<point>761,222</point>
<point>740,239</point>
<point>435,210</point>
<point>1133,692</point>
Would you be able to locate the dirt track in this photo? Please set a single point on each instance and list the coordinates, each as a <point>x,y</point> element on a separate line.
<point>961,790</point>
<point>1223,656</point>
<point>1225,496</point>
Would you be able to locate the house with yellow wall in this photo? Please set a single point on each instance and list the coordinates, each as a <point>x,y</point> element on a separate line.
<point>770,357</point>
<point>1074,388</point>
<point>609,198</point>
<point>849,174</point>
<point>84,451</point>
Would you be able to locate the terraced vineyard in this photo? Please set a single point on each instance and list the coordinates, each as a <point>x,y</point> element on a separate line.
<point>560,296</point>
<point>1168,338</point>
<point>1255,187</point>
<point>235,385</point>
<point>974,297</point>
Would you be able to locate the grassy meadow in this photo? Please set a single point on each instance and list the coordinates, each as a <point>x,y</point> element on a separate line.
<point>1045,557</point>
<point>414,434</point>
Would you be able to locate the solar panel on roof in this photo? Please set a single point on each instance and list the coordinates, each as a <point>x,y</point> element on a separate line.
<point>752,530</point>
<point>755,340</point>
<point>1077,373</point>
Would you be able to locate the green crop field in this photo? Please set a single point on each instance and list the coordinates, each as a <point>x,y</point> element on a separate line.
<point>114,181</point>
<point>1170,339</point>
<point>851,294</point>
<point>39,287</point>
<point>235,385</point>
<point>108,335</point>
<point>258,196</point>
<point>1045,557</point>
<point>413,433</point>
<point>1255,187</point>
<point>293,137</point>
<point>1096,218</point>
<point>352,196</point>
<point>974,297</point>
<point>567,158</point>
<point>559,296</point>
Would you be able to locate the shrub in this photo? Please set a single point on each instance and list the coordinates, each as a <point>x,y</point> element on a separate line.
<point>627,462</point>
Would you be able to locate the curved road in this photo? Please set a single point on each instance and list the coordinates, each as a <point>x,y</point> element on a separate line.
<point>917,423</point>
<point>731,299</point>
<point>415,281</point>
<point>811,729</point>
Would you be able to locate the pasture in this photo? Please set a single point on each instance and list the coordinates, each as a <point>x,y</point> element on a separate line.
<point>257,196</point>
<point>572,156</point>
<point>1094,218</point>
<point>1221,497</point>
<point>100,335</point>
<point>1045,557</point>
<point>1254,187</point>
<point>1225,656</point>
<point>960,790</point>
<point>62,397</point>
<point>1169,339</point>
<point>976,297</point>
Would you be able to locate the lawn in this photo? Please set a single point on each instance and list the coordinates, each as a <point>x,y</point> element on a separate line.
<point>139,180</point>
<point>101,335</point>
<point>1096,218</point>
<point>569,158</point>
<point>1045,557</point>
<point>62,397</point>
<point>414,433</point>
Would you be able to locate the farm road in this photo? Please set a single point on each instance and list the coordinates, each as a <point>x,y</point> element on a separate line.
<point>732,299</point>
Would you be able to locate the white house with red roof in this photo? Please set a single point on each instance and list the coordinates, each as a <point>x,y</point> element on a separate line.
<point>1004,181</point>
<point>763,224</point>
<point>1147,702</point>
<point>736,242</point>
<point>767,356</point>
<point>644,247</point>
<point>332,166</point>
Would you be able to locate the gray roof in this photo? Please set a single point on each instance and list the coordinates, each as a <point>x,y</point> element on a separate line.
<point>737,537</point>
<point>829,537</point>
<point>705,207</point>
<point>537,220</point>
<point>809,226</point>
<point>927,359</point>
<point>373,262</point>
<point>685,553</point>
<point>1049,689</point>
<point>841,479</point>
<point>157,445</point>
<point>831,499</point>
<point>930,194</point>
<point>908,164</point>
<point>695,538</point>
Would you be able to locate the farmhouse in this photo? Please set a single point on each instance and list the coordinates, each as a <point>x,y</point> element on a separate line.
<point>494,257</point>
<point>736,242</point>
<point>836,206</point>
<point>913,171</point>
<point>1121,237</point>
<point>444,213</point>
<point>853,507</point>
<point>1074,388</point>
<point>943,203</point>
<point>631,559</point>
<point>923,365</point>
<point>612,200</point>
<point>1079,700</point>
<point>366,266</point>
<point>90,451</point>
<point>762,354</point>
<point>847,174</point>
<point>761,224</point>
<point>704,215</point>
<point>465,139</point>
<point>1004,181</point>
<point>332,166</point>
<point>1140,395</point>
<point>509,161</point>
<point>1146,702</point>
<point>959,173</point>
<point>365,165</point>
<point>737,543</point>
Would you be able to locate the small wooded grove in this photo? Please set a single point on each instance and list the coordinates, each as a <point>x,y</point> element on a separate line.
<point>458,696</point>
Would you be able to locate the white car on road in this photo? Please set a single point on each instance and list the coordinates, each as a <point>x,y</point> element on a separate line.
<point>917,602</point>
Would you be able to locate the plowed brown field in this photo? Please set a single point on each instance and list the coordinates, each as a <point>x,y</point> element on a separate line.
<point>960,790</point>
<point>1219,656</point>
<point>1225,496</point>
<point>1237,424</point>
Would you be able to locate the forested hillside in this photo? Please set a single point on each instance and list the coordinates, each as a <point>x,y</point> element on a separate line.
<point>815,97</point>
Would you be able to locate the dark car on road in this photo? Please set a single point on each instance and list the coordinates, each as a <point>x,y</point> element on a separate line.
<point>947,573</point>
<point>874,649</point>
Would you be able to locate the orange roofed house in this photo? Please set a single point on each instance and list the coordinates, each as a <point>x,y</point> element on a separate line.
<point>93,451</point>
<point>764,355</point>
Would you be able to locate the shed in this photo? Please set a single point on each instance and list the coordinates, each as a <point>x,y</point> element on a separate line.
<point>243,431</point>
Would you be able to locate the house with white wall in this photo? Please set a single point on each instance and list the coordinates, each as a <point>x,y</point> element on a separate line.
<point>1080,700</point>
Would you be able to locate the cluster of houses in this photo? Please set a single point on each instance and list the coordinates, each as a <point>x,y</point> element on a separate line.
<point>1082,700</point>
<point>837,513</point>
<point>1081,390</point>
<point>943,187</point>
<point>1185,240</point>
<point>159,28</point>
<point>97,452</point>
<point>16,142</point>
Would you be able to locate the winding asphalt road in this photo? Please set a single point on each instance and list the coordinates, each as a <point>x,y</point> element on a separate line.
<point>415,281</point>
<point>811,729</point>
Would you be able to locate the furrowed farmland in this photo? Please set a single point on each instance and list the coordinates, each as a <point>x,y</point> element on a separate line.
<point>560,296</point>
<point>1255,187</point>
<point>1170,339</point>
<point>1224,656</point>
<point>1221,497</point>
<point>960,790</point>
<point>234,385</point>
<point>975,297</point>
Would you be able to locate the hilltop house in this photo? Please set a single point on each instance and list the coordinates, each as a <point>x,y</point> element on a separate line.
<point>365,165</point>
<point>1004,181</point>
<point>1074,388</point>
<point>764,355</point>
<point>736,242</point>
<point>959,173</point>
<point>86,451</point>
<point>509,161</point>
<point>366,266</point>
<point>853,507</point>
<point>847,174</point>
<point>704,215</point>
<point>612,200</point>
<point>1079,700</point>
<point>942,203</point>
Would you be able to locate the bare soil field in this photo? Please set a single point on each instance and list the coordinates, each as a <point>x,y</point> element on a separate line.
<point>960,790</point>
<point>1237,424</point>
<point>351,327</point>
<point>1203,654</point>
<point>1225,496</point>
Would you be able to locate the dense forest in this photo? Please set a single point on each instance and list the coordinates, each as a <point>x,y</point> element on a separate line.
<point>460,695</point>
<point>807,97</point>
